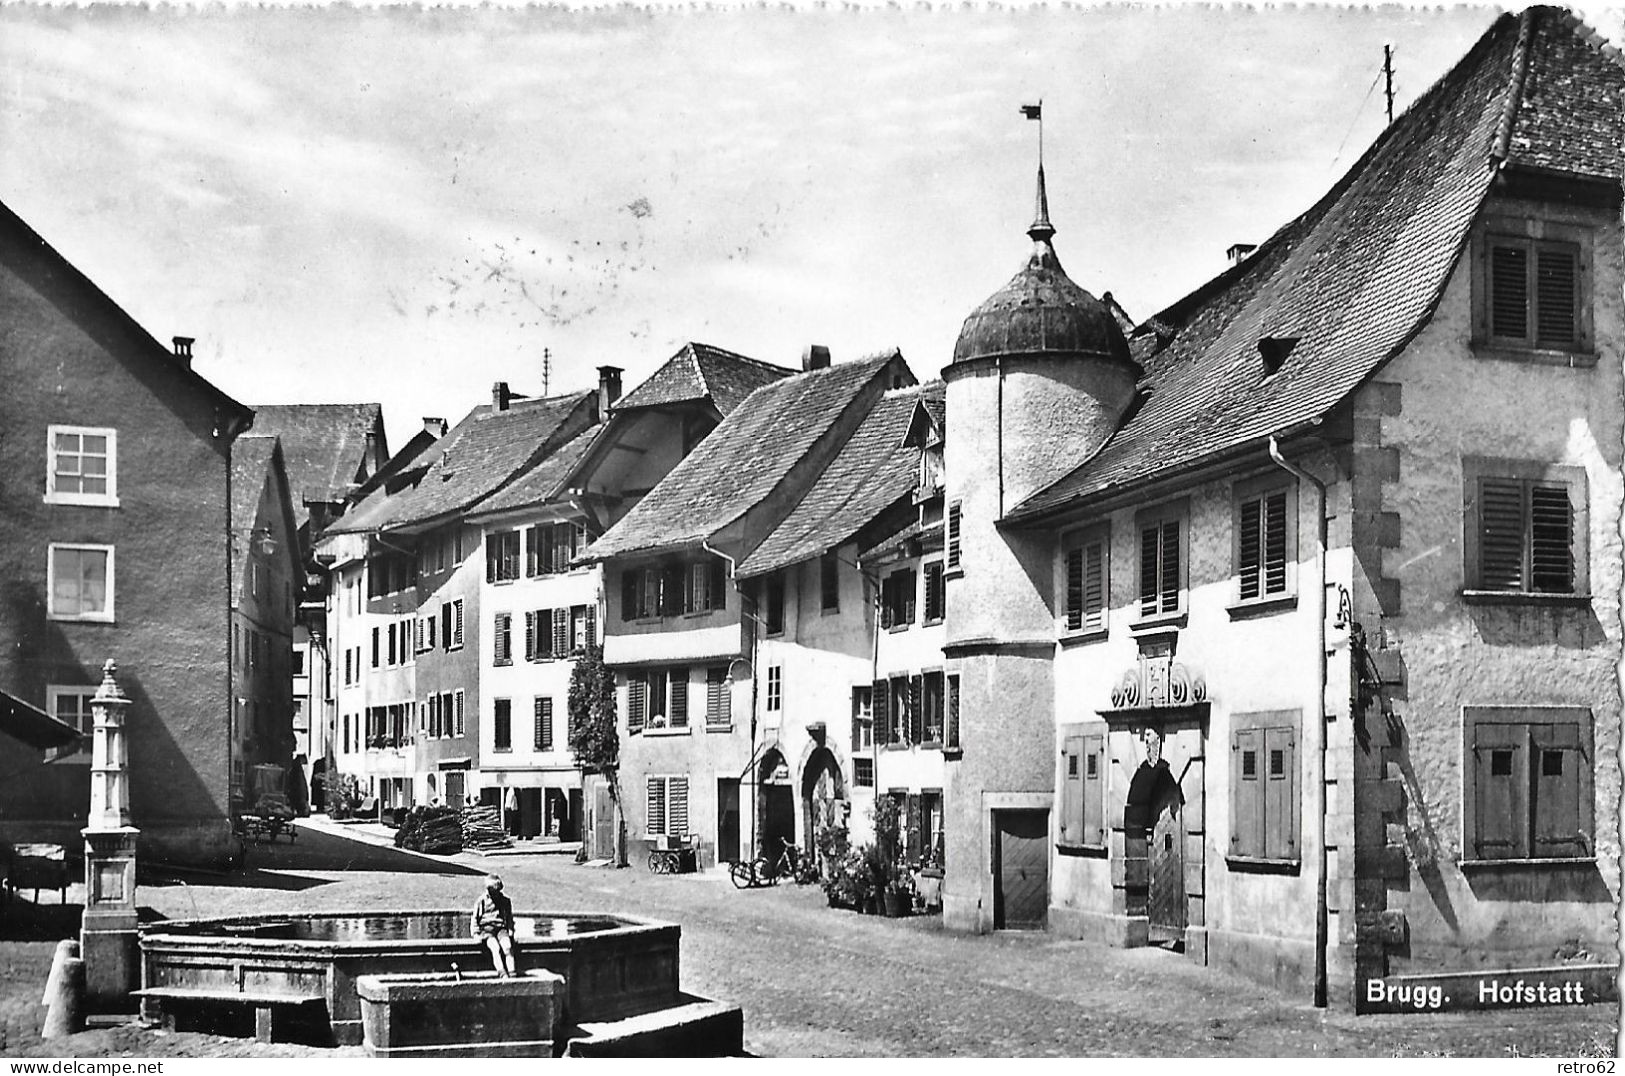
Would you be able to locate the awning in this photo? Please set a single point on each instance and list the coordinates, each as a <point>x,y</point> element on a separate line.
<point>34,726</point>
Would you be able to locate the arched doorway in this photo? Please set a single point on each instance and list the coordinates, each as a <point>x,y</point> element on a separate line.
<point>1154,832</point>
<point>823,795</point>
<point>775,805</point>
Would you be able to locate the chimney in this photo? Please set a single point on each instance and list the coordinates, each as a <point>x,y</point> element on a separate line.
<point>816,357</point>
<point>183,350</point>
<point>609,389</point>
<point>1239,251</point>
<point>434,427</point>
<point>500,396</point>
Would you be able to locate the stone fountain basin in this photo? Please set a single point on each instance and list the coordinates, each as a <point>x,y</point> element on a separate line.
<point>613,966</point>
<point>479,1015</point>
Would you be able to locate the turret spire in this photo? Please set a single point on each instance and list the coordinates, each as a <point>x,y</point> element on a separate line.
<point>1042,230</point>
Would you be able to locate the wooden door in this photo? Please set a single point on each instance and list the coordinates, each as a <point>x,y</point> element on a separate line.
<point>603,818</point>
<point>1165,902</point>
<point>727,819</point>
<point>1020,870</point>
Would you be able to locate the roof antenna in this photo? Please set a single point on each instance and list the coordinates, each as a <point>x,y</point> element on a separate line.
<point>1388,76</point>
<point>1041,229</point>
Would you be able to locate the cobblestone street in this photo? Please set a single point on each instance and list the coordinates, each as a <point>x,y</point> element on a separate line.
<point>814,981</point>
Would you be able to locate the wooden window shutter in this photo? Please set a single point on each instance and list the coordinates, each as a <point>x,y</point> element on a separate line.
<point>911,846</point>
<point>1250,544</point>
<point>1072,810</point>
<point>417,635</point>
<point>1170,566</point>
<point>857,718</point>
<point>1560,773</point>
<point>1275,551</point>
<point>656,806</point>
<point>1557,273</point>
<point>533,554</point>
<point>1093,764</point>
<point>678,710</point>
<point>881,702</point>
<point>530,635</point>
<point>916,710</point>
<point>1247,792</point>
<point>541,734</point>
<point>677,813</point>
<point>457,622</point>
<point>1501,534</point>
<point>1074,589</point>
<point>1551,537</point>
<point>1500,791</point>
<point>1509,290</point>
<point>637,698</point>
<point>718,704</point>
<point>629,594</point>
<point>561,632</point>
<point>1094,586</point>
<point>501,637</point>
<point>952,541</point>
<point>592,625</point>
<point>1280,794</point>
<point>888,587</point>
<point>952,706</point>
<point>1148,571</point>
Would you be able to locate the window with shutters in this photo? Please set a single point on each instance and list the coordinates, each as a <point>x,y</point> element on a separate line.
<point>502,724</point>
<point>1086,570</point>
<point>931,708</point>
<point>1265,806</point>
<point>1162,570</point>
<point>900,711</point>
<point>583,627</point>
<point>1531,288</point>
<point>897,598</point>
<point>542,714</point>
<point>775,688</point>
<point>1265,543</point>
<point>637,702</point>
<point>829,583</point>
<point>502,556</point>
<point>667,807</point>
<point>951,526</point>
<point>718,698</point>
<point>1527,775</point>
<point>502,639</point>
<point>657,699</point>
<point>1525,530</point>
<point>1083,787</point>
<point>935,592</point>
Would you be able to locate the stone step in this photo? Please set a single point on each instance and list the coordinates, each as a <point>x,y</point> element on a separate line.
<point>695,1027</point>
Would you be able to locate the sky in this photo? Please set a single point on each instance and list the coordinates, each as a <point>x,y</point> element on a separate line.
<point>406,205</point>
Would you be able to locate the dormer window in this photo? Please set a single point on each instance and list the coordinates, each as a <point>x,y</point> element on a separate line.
<point>1532,288</point>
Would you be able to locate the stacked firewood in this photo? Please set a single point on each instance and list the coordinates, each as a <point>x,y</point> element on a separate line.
<point>482,828</point>
<point>436,830</point>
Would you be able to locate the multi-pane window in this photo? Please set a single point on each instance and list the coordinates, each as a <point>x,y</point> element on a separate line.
<point>1085,561</point>
<point>863,718</point>
<point>718,698</point>
<point>935,592</point>
<point>667,807</point>
<point>654,592</point>
<point>1264,804</point>
<point>502,724</point>
<point>82,466</point>
<point>1162,564</point>
<point>1533,292</point>
<point>502,638</point>
<point>863,772</point>
<point>1527,538</point>
<point>897,597</point>
<point>1265,533</point>
<point>775,688</point>
<point>501,556</point>
<point>1083,787</point>
<point>80,582</point>
<point>931,707</point>
<point>550,547</point>
<point>829,583</point>
<point>1529,782</point>
<point>71,706</point>
<point>451,624</point>
<point>899,710</point>
<point>705,586</point>
<point>542,713</point>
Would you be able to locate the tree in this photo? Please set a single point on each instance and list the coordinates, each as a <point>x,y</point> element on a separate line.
<point>594,741</point>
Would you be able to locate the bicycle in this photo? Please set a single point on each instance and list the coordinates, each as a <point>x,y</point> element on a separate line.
<point>752,873</point>
<point>795,864</point>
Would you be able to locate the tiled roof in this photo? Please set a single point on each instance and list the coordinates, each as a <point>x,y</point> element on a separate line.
<point>479,456</point>
<point>743,460</point>
<point>698,372</point>
<point>1356,276</point>
<point>544,481</point>
<point>872,471</point>
<point>323,445</point>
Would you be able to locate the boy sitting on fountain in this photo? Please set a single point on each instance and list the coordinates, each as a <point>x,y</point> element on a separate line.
<point>493,921</point>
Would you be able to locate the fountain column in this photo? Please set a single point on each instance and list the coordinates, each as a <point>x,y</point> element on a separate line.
<point>109,939</point>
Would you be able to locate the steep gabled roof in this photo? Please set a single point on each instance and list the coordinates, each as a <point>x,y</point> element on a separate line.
<point>700,372</point>
<point>480,455</point>
<point>1359,274</point>
<point>71,292</point>
<point>323,445</point>
<point>546,480</point>
<point>742,461</point>
<point>255,460</point>
<point>873,471</point>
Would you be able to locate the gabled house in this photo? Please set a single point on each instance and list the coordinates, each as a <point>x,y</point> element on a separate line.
<point>685,643</point>
<point>268,573</point>
<point>115,511</point>
<point>1287,627</point>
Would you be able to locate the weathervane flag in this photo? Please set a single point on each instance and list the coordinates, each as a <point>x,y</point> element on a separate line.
<point>1033,112</point>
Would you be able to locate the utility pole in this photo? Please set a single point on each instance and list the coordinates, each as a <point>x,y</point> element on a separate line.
<point>1388,77</point>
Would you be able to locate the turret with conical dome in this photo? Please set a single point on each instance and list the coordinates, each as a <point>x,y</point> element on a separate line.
<point>1040,378</point>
